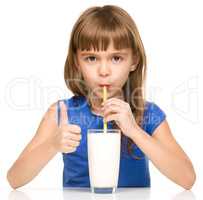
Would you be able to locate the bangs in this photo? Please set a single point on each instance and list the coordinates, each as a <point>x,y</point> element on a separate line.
<point>98,33</point>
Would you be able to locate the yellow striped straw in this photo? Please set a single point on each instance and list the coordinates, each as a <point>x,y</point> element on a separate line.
<point>104,99</point>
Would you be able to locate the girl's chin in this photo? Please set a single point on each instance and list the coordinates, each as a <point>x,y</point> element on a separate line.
<point>110,94</point>
<point>99,94</point>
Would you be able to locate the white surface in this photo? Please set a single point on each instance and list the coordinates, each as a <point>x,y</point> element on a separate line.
<point>85,194</point>
<point>33,45</point>
<point>104,158</point>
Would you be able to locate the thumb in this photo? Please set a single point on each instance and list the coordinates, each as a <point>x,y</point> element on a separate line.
<point>63,113</point>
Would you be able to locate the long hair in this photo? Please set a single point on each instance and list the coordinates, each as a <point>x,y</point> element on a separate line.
<point>96,28</point>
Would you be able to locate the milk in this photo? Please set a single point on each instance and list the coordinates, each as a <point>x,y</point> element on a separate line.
<point>104,157</point>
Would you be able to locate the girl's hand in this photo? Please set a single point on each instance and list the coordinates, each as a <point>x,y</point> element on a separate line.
<point>120,111</point>
<point>67,137</point>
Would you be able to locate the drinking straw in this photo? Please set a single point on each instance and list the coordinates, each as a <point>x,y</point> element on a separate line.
<point>104,99</point>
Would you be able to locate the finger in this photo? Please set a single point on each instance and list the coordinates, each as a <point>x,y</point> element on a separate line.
<point>71,143</point>
<point>115,101</point>
<point>112,109</point>
<point>112,117</point>
<point>68,149</point>
<point>72,136</point>
<point>74,128</point>
<point>63,113</point>
<point>110,104</point>
<point>71,128</point>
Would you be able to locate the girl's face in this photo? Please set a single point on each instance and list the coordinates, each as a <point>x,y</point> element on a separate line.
<point>110,67</point>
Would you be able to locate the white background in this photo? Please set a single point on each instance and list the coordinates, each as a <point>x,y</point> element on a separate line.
<point>34,39</point>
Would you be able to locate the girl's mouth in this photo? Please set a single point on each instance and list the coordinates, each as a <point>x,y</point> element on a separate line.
<point>107,85</point>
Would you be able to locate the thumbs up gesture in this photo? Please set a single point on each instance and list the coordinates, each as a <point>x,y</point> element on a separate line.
<point>68,136</point>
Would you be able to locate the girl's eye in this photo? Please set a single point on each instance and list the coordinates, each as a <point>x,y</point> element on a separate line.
<point>91,58</point>
<point>117,59</point>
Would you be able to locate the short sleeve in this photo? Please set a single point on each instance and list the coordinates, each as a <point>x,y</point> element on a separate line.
<point>153,117</point>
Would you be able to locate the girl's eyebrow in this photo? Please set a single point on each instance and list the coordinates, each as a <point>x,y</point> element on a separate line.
<point>95,53</point>
<point>120,53</point>
<point>86,53</point>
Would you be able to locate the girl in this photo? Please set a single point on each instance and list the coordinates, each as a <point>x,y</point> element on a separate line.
<point>105,50</point>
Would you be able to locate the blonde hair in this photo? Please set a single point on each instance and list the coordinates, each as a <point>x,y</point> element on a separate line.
<point>96,28</point>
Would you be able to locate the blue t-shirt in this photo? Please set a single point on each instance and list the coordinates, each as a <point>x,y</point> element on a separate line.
<point>133,172</point>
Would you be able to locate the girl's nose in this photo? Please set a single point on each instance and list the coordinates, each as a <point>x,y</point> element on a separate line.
<point>104,69</point>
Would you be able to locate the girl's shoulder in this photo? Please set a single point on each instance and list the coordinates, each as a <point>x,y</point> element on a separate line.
<point>152,107</point>
<point>72,103</point>
<point>153,116</point>
<point>75,100</point>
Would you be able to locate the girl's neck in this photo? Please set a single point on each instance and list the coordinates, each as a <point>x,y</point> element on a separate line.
<point>95,105</point>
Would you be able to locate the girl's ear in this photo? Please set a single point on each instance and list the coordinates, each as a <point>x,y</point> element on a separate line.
<point>76,63</point>
<point>77,67</point>
<point>135,63</point>
<point>133,67</point>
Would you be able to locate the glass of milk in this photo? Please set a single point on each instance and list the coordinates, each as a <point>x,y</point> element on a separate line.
<point>104,159</point>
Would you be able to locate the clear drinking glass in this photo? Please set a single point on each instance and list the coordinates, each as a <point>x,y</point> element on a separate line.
<point>104,159</point>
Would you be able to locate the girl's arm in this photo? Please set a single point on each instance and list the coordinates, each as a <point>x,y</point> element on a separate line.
<point>48,140</point>
<point>36,154</point>
<point>165,153</point>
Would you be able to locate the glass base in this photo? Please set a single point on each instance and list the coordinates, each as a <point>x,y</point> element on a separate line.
<point>107,190</point>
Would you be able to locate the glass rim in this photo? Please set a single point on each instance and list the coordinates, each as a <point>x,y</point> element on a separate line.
<point>92,131</point>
